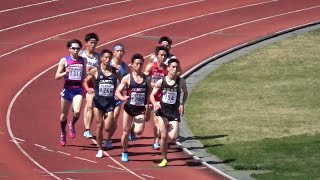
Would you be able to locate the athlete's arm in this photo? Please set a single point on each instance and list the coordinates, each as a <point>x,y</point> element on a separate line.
<point>184,88</point>
<point>121,87</point>
<point>91,75</point>
<point>62,70</point>
<point>84,71</point>
<point>155,90</point>
<point>148,69</point>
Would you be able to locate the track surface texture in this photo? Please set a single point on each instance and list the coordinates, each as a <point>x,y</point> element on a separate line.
<point>33,35</point>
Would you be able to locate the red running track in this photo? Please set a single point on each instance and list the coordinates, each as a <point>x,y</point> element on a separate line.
<point>200,29</point>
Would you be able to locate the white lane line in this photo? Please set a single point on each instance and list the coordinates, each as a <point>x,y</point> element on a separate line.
<point>17,95</point>
<point>116,167</point>
<point>16,141</point>
<point>64,153</point>
<point>84,159</point>
<point>60,15</point>
<point>43,147</point>
<point>20,139</point>
<point>248,22</point>
<point>148,176</point>
<point>92,25</point>
<point>118,163</point>
<point>48,150</point>
<point>30,5</point>
<point>70,179</point>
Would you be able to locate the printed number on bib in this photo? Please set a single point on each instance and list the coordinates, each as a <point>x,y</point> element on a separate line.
<point>155,78</point>
<point>137,99</point>
<point>75,73</point>
<point>169,97</point>
<point>106,89</point>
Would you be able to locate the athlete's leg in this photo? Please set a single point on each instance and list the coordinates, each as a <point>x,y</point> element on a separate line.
<point>114,122</point>
<point>139,124</point>
<point>127,123</point>
<point>65,107</point>
<point>88,115</point>
<point>163,126</point>
<point>98,117</point>
<point>173,131</point>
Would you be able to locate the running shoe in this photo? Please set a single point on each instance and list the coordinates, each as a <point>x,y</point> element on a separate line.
<point>99,154</point>
<point>163,163</point>
<point>107,144</point>
<point>63,140</point>
<point>132,136</point>
<point>156,146</point>
<point>87,134</point>
<point>124,157</point>
<point>72,131</point>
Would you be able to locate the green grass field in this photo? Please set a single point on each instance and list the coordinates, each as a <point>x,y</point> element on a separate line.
<point>267,104</point>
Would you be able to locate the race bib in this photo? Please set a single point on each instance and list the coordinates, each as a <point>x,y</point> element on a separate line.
<point>137,99</point>
<point>75,73</point>
<point>169,97</point>
<point>155,78</point>
<point>106,90</point>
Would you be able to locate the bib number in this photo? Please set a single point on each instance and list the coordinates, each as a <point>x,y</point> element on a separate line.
<point>106,90</point>
<point>169,97</point>
<point>137,99</point>
<point>75,73</point>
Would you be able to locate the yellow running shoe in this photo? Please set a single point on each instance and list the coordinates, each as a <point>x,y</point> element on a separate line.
<point>163,163</point>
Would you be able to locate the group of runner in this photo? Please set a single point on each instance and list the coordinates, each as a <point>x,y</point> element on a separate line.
<point>107,82</point>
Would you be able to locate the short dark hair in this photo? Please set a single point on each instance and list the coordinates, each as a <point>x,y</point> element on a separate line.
<point>173,60</point>
<point>136,56</point>
<point>103,51</point>
<point>165,38</point>
<point>159,48</point>
<point>69,43</point>
<point>91,36</point>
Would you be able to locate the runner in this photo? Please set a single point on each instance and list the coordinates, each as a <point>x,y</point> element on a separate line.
<point>156,70</point>
<point>137,85</point>
<point>72,68</point>
<point>92,59</point>
<point>123,69</point>
<point>105,81</point>
<point>166,42</point>
<point>169,109</point>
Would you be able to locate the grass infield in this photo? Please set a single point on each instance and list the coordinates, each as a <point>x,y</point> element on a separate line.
<point>265,106</point>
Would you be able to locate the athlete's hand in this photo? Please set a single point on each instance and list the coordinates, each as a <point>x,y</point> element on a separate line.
<point>156,106</point>
<point>181,109</point>
<point>90,91</point>
<point>125,98</point>
<point>67,69</point>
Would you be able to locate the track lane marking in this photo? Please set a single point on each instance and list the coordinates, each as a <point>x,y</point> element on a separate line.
<point>40,74</point>
<point>30,5</point>
<point>92,25</point>
<point>60,15</point>
<point>84,159</point>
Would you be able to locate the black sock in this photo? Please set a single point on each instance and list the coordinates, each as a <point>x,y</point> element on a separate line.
<point>74,120</point>
<point>63,125</point>
<point>87,129</point>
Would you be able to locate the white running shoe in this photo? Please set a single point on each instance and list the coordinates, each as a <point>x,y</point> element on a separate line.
<point>99,154</point>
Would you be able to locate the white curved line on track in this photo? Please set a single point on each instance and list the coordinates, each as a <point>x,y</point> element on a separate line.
<point>96,24</point>
<point>60,15</point>
<point>30,5</point>
<point>40,74</point>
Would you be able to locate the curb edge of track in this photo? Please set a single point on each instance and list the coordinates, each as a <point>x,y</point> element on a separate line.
<point>221,55</point>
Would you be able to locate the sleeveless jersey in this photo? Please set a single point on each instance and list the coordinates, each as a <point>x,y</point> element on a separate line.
<point>104,86</point>
<point>74,77</point>
<point>91,62</point>
<point>137,92</point>
<point>155,75</point>
<point>170,95</point>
